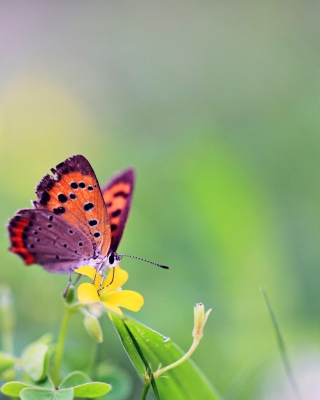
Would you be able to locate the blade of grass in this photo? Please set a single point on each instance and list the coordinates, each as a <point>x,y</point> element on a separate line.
<point>281,347</point>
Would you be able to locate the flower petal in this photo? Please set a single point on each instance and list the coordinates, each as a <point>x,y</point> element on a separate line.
<point>91,273</point>
<point>119,276</point>
<point>87,271</point>
<point>112,307</point>
<point>87,293</point>
<point>125,298</point>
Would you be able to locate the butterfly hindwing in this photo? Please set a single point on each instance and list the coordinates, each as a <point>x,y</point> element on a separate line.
<point>117,194</point>
<point>74,195</point>
<point>41,237</point>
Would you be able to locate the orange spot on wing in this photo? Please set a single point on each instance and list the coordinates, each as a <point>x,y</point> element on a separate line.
<point>18,246</point>
<point>109,195</point>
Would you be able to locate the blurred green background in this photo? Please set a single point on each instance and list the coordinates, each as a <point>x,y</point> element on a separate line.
<point>216,105</point>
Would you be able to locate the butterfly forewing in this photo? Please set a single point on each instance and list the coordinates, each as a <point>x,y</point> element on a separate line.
<point>40,237</point>
<point>74,195</point>
<point>117,194</point>
<point>70,226</point>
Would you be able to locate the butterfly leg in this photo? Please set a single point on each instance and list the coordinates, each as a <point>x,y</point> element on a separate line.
<point>113,274</point>
<point>70,284</point>
<point>103,279</point>
<point>64,294</point>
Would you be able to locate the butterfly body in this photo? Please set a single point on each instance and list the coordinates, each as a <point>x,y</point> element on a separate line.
<point>73,222</point>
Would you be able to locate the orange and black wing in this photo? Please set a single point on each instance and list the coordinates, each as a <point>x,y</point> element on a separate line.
<point>73,194</point>
<point>117,194</point>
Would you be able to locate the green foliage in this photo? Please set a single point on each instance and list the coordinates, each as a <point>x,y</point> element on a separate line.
<point>43,394</point>
<point>40,364</point>
<point>83,386</point>
<point>13,389</point>
<point>120,380</point>
<point>149,349</point>
<point>35,361</point>
<point>76,384</point>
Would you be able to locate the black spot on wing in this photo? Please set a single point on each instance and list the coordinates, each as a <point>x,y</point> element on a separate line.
<point>59,210</point>
<point>116,213</point>
<point>62,198</point>
<point>121,193</point>
<point>88,206</point>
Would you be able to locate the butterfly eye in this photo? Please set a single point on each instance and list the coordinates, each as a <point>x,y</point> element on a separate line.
<point>111,258</point>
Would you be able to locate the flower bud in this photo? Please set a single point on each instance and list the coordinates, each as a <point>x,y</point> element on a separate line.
<point>93,327</point>
<point>200,318</point>
<point>70,294</point>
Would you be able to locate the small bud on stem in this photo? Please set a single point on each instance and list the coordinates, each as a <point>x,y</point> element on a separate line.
<point>200,319</point>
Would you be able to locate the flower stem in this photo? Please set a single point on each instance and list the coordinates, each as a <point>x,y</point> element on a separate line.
<point>180,361</point>
<point>145,390</point>
<point>60,344</point>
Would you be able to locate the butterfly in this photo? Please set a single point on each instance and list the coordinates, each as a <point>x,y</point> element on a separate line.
<point>74,222</point>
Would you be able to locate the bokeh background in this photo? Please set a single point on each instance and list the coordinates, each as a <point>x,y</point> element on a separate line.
<point>216,104</point>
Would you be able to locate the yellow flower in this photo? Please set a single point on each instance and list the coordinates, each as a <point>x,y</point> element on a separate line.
<point>107,293</point>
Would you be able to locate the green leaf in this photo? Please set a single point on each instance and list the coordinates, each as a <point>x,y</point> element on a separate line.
<point>43,394</point>
<point>74,379</point>
<point>146,364</point>
<point>46,384</point>
<point>36,360</point>
<point>92,389</point>
<point>13,389</point>
<point>47,338</point>
<point>6,361</point>
<point>184,382</point>
<point>83,385</point>
<point>119,379</point>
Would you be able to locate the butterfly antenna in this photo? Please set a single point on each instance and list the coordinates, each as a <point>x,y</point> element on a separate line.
<point>143,259</point>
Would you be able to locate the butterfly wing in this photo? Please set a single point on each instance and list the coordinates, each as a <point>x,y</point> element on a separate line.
<point>117,194</point>
<point>73,194</point>
<point>41,237</point>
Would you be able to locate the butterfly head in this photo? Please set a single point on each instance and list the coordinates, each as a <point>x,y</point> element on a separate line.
<point>112,260</point>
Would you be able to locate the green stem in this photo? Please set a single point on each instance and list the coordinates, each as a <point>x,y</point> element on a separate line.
<point>60,344</point>
<point>180,361</point>
<point>145,390</point>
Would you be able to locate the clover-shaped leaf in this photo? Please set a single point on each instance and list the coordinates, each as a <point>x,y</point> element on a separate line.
<point>35,360</point>
<point>83,386</point>
<point>13,389</point>
<point>76,384</point>
<point>74,379</point>
<point>45,394</point>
